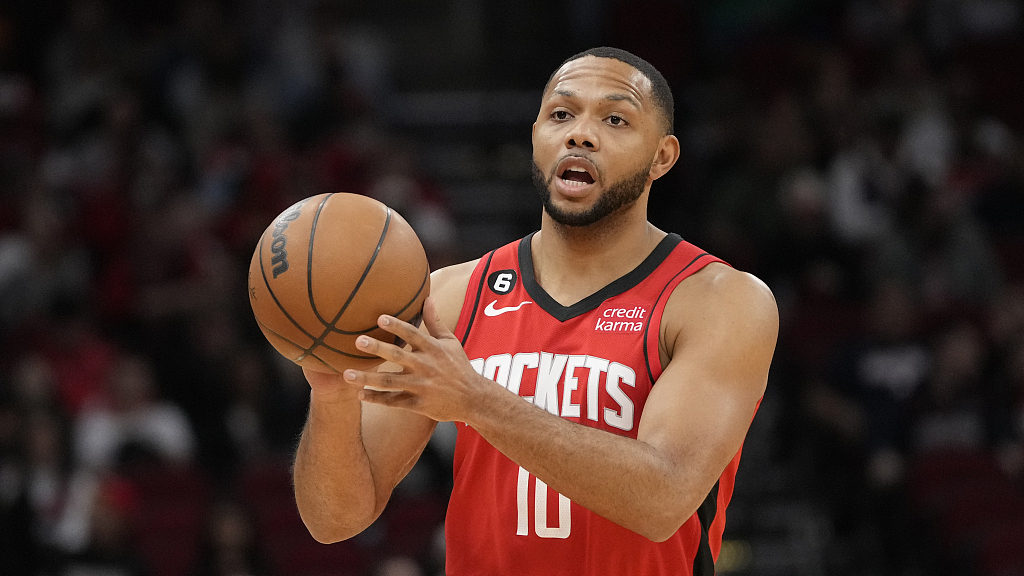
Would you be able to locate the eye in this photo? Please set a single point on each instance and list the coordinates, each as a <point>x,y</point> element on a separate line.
<point>560,115</point>
<point>617,120</point>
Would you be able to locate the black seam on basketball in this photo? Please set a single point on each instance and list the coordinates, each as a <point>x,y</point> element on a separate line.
<point>321,360</point>
<point>309,261</point>
<point>306,352</point>
<point>647,326</point>
<point>285,338</point>
<point>366,271</point>
<point>479,292</point>
<point>266,282</point>
<point>423,284</point>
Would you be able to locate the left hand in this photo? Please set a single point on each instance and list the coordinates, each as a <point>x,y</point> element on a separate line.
<point>436,380</point>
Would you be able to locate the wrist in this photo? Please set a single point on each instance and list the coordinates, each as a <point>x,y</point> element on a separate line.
<point>491,403</point>
<point>334,393</point>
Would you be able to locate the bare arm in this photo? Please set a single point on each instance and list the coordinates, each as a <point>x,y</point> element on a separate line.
<point>721,328</point>
<point>352,454</point>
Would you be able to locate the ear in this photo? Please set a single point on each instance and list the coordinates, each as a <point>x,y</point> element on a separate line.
<point>665,156</point>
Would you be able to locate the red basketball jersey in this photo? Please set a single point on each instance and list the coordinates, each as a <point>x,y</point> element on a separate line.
<point>593,363</point>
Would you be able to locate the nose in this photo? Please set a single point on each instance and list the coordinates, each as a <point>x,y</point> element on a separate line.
<point>581,135</point>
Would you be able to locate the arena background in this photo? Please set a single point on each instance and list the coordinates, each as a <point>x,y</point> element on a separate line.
<point>863,157</point>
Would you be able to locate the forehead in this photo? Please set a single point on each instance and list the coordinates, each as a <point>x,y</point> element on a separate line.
<point>598,77</point>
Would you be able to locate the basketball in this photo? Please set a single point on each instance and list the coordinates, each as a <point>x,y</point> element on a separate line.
<point>324,271</point>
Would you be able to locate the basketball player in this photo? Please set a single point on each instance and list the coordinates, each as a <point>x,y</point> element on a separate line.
<point>602,373</point>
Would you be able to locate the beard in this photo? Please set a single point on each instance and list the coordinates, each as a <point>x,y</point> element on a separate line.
<point>619,195</point>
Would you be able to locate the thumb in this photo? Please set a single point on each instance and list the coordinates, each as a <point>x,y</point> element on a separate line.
<point>432,320</point>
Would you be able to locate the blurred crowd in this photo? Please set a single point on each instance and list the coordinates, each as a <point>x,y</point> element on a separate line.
<point>864,157</point>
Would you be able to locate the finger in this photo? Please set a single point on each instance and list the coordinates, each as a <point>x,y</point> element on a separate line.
<point>432,320</point>
<point>406,332</point>
<point>387,381</point>
<point>387,351</point>
<point>400,399</point>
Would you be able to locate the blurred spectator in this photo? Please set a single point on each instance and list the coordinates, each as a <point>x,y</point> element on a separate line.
<point>230,545</point>
<point>19,550</point>
<point>80,357</point>
<point>398,566</point>
<point>1008,408</point>
<point>869,398</point>
<point>48,471</point>
<point>33,385</point>
<point>864,179</point>
<point>132,422</point>
<point>109,551</point>
<point>940,250</point>
<point>40,267</point>
<point>397,182</point>
<point>952,412</point>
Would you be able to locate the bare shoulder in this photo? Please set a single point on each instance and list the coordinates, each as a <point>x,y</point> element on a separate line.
<point>720,301</point>
<point>724,289</point>
<point>448,290</point>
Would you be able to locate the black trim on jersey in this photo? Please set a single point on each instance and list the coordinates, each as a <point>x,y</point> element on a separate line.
<point>618,286</point>
<point>703,560</point>
<point>479,291</point>
<point>647,325</point>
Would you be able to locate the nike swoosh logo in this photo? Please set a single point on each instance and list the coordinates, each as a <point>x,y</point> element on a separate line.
<point>492,311</point>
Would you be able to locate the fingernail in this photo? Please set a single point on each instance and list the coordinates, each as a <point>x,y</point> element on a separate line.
<point>363,341</point>
<point>350,375</point>
<point>384,321</point>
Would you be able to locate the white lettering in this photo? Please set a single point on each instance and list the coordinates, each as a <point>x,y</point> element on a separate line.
<point>623,419</point>
<point>636,312</point>
<point>570,410</point>
<point>522,498</point>
<point>548,375</point>
<point>520,362</point>
<point>497,368</point>
<point>540,509</point>
<point>509,370</point>
<point>540,514</point>
<point>621,326</point>
<point>477,364</point>
<point>596,366</point>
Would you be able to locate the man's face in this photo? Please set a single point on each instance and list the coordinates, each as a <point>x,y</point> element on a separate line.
<point>595,139</point>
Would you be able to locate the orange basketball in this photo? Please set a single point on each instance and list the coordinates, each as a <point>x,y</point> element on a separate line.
<point>325,269</point>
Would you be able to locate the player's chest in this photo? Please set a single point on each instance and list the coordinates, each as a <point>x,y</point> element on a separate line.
<point>591,369</point>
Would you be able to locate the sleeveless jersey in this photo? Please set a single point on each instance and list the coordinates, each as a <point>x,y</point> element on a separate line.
<point>593,363</point>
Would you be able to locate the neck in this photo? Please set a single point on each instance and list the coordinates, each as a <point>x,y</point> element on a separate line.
<point>571,263</point>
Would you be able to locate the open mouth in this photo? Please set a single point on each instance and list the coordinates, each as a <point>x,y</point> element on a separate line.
<point>576,176</point>
<point>576,172</point>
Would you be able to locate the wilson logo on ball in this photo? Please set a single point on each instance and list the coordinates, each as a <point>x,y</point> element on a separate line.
<point>279,260</point>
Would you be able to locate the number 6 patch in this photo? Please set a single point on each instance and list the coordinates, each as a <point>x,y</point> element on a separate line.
<point>501,281</point>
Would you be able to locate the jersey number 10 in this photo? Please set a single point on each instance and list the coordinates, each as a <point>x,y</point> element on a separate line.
<point>540,509</point>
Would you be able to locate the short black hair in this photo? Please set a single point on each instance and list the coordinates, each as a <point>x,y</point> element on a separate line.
<point>661,93</point>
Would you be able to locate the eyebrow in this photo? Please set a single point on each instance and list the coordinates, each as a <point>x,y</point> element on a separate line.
<point>610,97</point>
